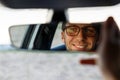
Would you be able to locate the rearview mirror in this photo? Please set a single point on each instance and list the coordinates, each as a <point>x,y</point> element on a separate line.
<point>54,36</point>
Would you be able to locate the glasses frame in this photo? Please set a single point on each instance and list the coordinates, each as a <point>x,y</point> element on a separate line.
<point>83,30</point>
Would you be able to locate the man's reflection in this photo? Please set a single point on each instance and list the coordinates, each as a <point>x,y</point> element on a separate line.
<point>80,37</point>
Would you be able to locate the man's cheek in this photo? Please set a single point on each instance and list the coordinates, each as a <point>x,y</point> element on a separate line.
<point>90,45</point>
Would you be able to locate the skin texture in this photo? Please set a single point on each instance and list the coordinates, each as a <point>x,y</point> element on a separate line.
<point>79,42</point>
<point>109,50</point>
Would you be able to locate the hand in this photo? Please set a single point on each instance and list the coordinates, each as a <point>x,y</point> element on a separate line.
<point>109,49</point>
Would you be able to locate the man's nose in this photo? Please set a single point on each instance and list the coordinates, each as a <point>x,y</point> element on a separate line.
<point>80,35</point>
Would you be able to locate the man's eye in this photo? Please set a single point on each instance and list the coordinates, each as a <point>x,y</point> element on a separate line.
<point>73,29</point>
<point>90,31</point>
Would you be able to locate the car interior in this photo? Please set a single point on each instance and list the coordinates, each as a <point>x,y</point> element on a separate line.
<point>45,37</point>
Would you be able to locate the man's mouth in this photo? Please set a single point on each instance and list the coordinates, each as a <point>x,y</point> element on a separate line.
<point>80,47</point>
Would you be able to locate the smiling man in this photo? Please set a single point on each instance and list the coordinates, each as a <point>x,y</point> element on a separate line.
<point>80,37</point>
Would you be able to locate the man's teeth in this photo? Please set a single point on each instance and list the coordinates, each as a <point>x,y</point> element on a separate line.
<point>80,46</point>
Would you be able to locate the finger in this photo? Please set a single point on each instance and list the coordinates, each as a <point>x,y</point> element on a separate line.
<point>110,31</point>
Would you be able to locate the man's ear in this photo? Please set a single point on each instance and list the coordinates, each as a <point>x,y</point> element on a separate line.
<point>62,36</point>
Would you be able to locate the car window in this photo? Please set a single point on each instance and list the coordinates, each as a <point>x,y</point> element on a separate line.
<point>57,41</point>
<point>21,33</point>
<point>93,14</point>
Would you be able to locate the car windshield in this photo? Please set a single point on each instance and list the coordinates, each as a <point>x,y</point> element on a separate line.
<point>20,17</point>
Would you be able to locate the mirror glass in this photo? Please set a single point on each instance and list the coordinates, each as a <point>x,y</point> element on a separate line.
<point>56,36</point>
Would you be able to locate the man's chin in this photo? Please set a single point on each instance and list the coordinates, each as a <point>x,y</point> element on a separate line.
<point>78,49</point>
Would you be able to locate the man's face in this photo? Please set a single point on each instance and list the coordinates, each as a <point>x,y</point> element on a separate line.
<point>79,37</point>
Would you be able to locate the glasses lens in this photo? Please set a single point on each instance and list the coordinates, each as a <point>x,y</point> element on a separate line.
<point>72,31</point>
<point>87,31</point>
<point>90,31</point>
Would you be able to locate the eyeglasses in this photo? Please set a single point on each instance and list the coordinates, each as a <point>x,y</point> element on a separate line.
<point>74,31</point>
